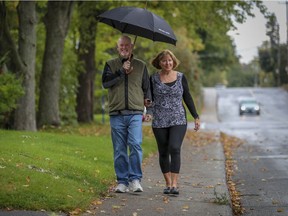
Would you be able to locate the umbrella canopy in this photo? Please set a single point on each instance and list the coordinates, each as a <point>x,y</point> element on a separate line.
<point>139,22</point>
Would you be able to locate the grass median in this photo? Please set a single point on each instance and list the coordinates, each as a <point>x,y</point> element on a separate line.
<point>58,169</point>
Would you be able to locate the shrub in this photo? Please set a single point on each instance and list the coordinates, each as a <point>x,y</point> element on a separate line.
<point>10,91</point>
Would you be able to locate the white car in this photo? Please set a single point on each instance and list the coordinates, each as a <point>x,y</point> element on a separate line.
<point>249,105</point>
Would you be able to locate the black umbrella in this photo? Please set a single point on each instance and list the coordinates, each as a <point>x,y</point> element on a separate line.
<point>139,22</point>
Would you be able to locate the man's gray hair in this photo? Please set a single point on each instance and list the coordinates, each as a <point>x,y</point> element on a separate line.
<point>124,37</point>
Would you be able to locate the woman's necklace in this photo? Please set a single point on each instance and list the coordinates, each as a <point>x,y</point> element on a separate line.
<point>167,77</point>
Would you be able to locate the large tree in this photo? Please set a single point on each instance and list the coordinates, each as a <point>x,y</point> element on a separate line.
<point>283,64</point>
<point>56,22</point>
<point>86,51</point>
<point>23,60</point>
<point>273,33</point>
<point>86,57</point>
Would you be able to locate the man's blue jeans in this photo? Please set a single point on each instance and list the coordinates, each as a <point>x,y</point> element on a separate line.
<point>126,131</point>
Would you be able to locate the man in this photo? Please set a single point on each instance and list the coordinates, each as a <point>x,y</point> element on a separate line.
<point>127,81</point>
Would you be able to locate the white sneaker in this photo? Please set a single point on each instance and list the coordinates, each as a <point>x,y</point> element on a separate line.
<point>135,186</point>
<point>121,188</point>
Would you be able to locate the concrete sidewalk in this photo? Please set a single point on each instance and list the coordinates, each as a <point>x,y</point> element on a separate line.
<point>202,173</point>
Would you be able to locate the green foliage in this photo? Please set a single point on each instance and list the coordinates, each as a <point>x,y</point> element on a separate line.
<point>12,16</point>
<point>249,75</point>
<point>10,91</point>
<point>69,84</point>
<point>241,76</point>
<point>273,30</point>
<point>221,198</point>
<point>102,118</point>
<point>283,64</point>
<point>100,100</point>
<point>214,77</point>
<point>269,63</point>
<point>3,59</point>
<point>58,171</point>
<point>266,79</point>
<point>189,62</point>
<point>265,59</point>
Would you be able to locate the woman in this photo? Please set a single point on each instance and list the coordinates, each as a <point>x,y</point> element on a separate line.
<point>169,88</point>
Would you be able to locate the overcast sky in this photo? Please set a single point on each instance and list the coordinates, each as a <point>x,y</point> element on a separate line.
<point>252,33</point>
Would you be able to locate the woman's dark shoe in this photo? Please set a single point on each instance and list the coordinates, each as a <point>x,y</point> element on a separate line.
<point>166,190</point>
<point>174,191</point>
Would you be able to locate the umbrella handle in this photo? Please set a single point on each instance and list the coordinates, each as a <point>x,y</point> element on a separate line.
<point>133,46</point>
<point>135,40</point>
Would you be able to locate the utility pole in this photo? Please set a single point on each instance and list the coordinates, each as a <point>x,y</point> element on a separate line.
<point>286,68</point>
<point>278,55</point>
<point>255,66</point>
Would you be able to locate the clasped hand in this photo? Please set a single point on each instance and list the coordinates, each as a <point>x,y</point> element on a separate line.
<point>147,117</point>
<point>127,67</point>
<point>197,124</point>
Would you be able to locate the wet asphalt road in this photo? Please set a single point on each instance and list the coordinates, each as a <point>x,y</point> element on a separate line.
<point>262,161</point>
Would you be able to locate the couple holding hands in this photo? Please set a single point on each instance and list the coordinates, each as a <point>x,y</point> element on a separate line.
<point>130,89</point>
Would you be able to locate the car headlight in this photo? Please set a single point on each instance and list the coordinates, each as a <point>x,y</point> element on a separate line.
<point>243,108</point>
<point>257,108</point>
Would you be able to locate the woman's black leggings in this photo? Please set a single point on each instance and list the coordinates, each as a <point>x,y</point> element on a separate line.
<point>169,141</point>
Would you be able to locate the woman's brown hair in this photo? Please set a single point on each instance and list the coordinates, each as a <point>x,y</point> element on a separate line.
<point>156,61</point>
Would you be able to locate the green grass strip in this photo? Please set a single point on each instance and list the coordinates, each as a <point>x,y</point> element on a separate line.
<point>56,171</point>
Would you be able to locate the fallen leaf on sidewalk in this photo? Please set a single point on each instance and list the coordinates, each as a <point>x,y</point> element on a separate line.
<point>159,209</point>
<point>264,169</point>
<point>185,207</point>
<point>275,202</point>
<point>280,210</point>
<point>77,211</point>
<point>198,185</point>
<point>166,199</point>
<point>96,202</point>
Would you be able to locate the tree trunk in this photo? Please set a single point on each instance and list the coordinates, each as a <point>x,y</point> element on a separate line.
<point>86,55</point>
<point>57,22</point>
<point>85,93</point>
<point>23,60</point>
<point>25,114</point>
